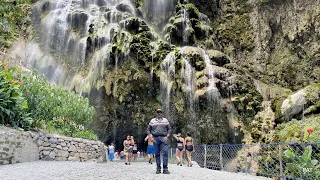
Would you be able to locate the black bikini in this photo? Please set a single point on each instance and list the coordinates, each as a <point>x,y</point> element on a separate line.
<point>180,148</point>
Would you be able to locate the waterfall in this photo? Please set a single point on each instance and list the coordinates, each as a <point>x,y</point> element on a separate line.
<point>213,91</point>
<point>186,27</point>
<point>157,12</point>
<point>167,79</point>
<point>188,77</point>
<point>63,28</point>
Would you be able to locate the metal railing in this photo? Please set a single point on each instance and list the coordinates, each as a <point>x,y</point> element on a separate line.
<point>279,160</point>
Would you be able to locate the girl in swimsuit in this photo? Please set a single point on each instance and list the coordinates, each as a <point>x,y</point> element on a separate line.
<point>189,147</point>
<point>133,148</point>
<point>180,148</point>
<point>127,149</point>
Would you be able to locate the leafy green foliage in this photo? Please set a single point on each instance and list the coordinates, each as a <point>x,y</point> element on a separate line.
<point>29,101</point>
<point>12,16</point>
<point>47,101</point>
<point>296,131</point>
<point>87,134</point>
<point>13,105</point>
<point>302,166</point>
<point>60,126</point>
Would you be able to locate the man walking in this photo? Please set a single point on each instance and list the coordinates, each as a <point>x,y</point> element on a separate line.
<point>159,128</point>
<point>150,149</point>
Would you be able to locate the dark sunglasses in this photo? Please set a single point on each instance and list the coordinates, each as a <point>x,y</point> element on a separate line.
<point>159,112</point>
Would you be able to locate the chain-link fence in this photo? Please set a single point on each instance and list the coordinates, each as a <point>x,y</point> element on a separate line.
<point>280,160</point>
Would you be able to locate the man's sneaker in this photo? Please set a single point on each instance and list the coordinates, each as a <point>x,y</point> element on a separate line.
<point>150,160</point>
<point>158,171</point>
<point>165,171</point>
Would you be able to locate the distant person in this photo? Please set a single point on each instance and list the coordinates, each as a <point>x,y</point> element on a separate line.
<point>138,154</point>
<point>189,147</point>
<point>160,129</point>
<point>121,155</point>
<point>135,151</point>
<point>116,155</point>
<point>132,142</point>
<point>180,148</point>
<point>127,149</point>
<point>150,148</point>
<point>111,152</point>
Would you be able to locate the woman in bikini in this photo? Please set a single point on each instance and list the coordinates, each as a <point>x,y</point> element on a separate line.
<point>180,148</point>
<point>133,149</point>
<point>189,147</point>
<point>127,149</point>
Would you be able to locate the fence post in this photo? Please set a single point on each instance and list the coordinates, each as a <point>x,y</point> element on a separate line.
<point>171,152</point>
<point>205,156</point>
<point>221,164</point>
<point>245,158</point>
<point>280,160</point>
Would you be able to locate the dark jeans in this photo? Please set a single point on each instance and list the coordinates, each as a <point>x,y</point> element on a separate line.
<point>158,146</point>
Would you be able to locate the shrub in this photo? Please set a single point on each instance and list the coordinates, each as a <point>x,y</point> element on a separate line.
<point>302,166</point>
<point>13,18</point>
<point>48,102</point>
<point>13,105</point>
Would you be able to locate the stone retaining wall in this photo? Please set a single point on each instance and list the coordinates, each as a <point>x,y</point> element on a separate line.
<point>21,146</point>
<point>16,146</point>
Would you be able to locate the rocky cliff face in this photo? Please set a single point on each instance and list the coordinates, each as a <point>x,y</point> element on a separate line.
<point>199,61</point>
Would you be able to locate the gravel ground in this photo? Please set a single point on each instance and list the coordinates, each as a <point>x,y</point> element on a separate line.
<point>40,170</point>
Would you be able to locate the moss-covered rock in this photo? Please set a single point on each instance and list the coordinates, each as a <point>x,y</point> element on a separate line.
<point>135,25</point>
<point>218,57</point>
<point>188,26</point>
<point>303,102</point>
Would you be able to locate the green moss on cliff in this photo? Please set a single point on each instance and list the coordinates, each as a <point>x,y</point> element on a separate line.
<point>235,28</point>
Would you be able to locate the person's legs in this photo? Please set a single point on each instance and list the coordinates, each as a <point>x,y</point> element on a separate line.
<point>152,154</point>
<point>130,157</point>
<point>177,156</point>
<point>127,157</point>
<point>111,156</point>
<point>157,148</point>
<point>165,149</point>
<point>188,156</point>
<point>149,153</point>
<point>181,159</point>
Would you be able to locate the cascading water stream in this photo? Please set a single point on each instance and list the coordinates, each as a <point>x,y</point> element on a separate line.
<point>64,31</point>
<point>186,26</point>
<point>167,79</point>
<point>157,12</point>
<point>213,91</point>
<point>188,75</point>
